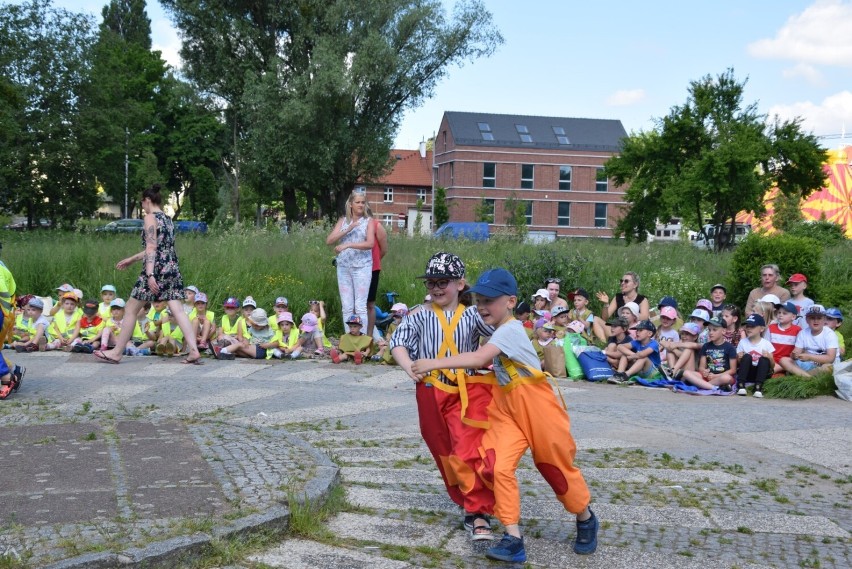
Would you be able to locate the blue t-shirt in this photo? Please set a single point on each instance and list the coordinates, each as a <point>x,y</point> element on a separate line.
<point>655,355</point>
<point>718,357</point>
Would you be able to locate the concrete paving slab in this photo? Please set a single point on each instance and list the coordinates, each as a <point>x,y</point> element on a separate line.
<point>778,523</point>
<point>328,412</point>
<point>395,476</point>
<point>58,506</point>
<point>309,374</point>
<point>831,448</point>
<point>399,500</point>
<point>603,443</point>
<point>302,554</point>
<point>162,369</point>
<point>242,369</point>
<point>382,530</point>
<point>644,475</point>
<point>408,434</point>
<point>385,380</point>
<point>355,455</point>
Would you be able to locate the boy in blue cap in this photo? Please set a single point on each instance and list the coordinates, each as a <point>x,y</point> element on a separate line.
<point>524,414</point>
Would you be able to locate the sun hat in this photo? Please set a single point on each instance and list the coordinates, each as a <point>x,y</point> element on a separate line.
<point>558,310</point>
<point>576,326</point>
<point>65,287</point>
<point>108,288</point>
<point>444,265</point>
<point>286,317</point>
<point>705,304</point>
<point>691,328</point>
<point>815,310</point>
<point>633,307</point>
<point>69,296</point>
<point>522,308</point>
<point>541,293</point>
<point>117,303</point>
<point>548,326</point>
<point>259,317</point>
<point>79,294</point>
<point>668,312</point>
<point>754,320</point>
<point>700,313</point>
<point>717,322</point>
<point>249,301</point>
<point>771,299</point>
<point>495,282</point>
<point>200,297</point>
<point>619,321</point>
<point>400,307</point>
<point>309,322</point>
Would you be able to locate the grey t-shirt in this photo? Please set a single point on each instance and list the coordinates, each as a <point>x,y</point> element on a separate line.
<point>512,341</point>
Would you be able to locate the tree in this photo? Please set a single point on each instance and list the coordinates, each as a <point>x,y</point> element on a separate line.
<point>713,157</point>
<point>787,212</point>
<point>316,90</point>
<point>515,212</point>
<point>484,211</point>
<point>120,103</point>
<point>442,212</point>
<point>42,64</point>
<point>417,229</point>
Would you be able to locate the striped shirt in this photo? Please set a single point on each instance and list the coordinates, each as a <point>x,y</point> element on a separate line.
<point>421,334</point>
<point>783,340</point>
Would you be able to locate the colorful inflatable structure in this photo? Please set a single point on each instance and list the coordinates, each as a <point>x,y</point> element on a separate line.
<point>834,201</point>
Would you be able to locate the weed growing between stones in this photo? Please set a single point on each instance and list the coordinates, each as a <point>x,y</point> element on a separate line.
<point>308,517</point>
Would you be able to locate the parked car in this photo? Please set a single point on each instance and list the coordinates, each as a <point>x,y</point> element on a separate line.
<point>122,226</point>
<point>22,225</point>
<point>472,230</point>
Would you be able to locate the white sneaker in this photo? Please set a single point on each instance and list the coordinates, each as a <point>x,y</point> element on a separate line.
<point>742,391</point>
<point>758,394</point>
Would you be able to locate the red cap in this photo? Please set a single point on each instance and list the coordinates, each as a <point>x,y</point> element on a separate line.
<point>797,278</point>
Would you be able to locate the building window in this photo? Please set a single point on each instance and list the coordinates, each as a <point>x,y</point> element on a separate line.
<point>560,135</point>
<point>489,175</point>
<point>565,177</point>
<point>452,173</point>
<point>600,215</point>
<point>528,212</point>
<point>488,210</point>
<point>523,132</point>
<point>485,131</point>
<point>527,172</point>
<point>388,194</point>
<point>444,136</point>
<point>601,183</point>
<point>421,194</point>
<point>387,219</point>
<point>563,214</point>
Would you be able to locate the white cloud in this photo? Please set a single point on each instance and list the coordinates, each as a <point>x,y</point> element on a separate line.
<point>164,37</point>
<point>625,97</point>
<point>807,72</point>
<point>828,117</point>
<point>820,35</point>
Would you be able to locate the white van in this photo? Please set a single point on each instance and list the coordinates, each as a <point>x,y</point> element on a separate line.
<point>706,238</point>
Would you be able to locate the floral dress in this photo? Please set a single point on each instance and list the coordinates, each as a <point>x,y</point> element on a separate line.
<point>166,270</point>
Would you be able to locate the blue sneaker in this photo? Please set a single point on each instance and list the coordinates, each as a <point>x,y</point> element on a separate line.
<point>586,541</point>
<point>509,548</point>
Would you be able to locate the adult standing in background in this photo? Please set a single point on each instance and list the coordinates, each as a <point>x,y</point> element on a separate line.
<point>355,236</point>
<point>380,248</point>
<point>160,279</point>
<point>769,275</point>
<point>629,293</point>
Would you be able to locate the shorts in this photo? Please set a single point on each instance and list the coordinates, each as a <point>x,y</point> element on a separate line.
<point>374,287</point>
<point>259,353</point>
<point>138,343</point>
<point>807,366</point>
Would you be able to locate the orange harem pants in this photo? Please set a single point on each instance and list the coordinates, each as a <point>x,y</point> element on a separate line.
<point>530,416</point>
<point>455,445</point>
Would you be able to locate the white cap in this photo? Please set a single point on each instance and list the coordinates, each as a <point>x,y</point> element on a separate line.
<point>542,292</point>
<point>249,301</point>
<point>771,299</point>
<point>633,307</point>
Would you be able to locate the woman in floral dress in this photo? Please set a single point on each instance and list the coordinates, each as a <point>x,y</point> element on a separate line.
<point>160,279</point>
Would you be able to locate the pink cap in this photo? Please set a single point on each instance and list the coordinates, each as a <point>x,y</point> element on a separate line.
<point>668,312</point>
<point>705,304</point>
<point>309,322</point>
<point>576,326</point>
<point>285,317</point>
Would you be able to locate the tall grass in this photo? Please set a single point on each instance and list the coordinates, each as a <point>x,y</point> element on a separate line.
<point>265,264</point>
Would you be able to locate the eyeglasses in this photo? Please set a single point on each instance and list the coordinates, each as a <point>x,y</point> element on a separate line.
<point>313,302</point>
<point>553,281</point>
<point>441,284</point>
<point>626,281</point>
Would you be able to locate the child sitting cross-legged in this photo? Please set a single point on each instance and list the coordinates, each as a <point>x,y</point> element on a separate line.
<point>64,324</point>
<point>232,324</point>
<point>353,344</point>
<point>682,354</point>
<point>261,337</point>
<point>524,414</point>
<point>36,328</point>
<point>544,335</point>
<point>290,341</point>
<point>756,359</point>
<point>642,354</point>
<point>616,358</point>
<point>87,336</point>
<point>816,346</point>
<point>717,363</point>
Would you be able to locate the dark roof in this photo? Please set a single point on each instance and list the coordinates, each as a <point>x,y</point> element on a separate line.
<point>582,134</point>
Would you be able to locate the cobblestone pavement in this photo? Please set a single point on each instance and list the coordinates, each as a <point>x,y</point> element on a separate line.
<point>677,481</point>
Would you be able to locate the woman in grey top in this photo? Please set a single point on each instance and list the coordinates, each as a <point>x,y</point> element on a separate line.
<point>354,235</point>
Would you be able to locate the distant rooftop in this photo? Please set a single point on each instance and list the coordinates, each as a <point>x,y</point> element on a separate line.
<point>520,131</point>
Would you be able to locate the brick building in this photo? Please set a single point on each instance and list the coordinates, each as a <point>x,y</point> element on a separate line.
<point>394,197</point>
<point>553,164</point>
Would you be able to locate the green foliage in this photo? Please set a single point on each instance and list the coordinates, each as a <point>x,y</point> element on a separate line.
<point>484,211</point>
<point>417,228</point>
<point>531,271</point>
<point>792,254</point>
<point>787,213</point>
<point>515,212</point>
<point>795,387</point>
<point>713,155</point>
<point>442,212</point>
<point>826,232</point>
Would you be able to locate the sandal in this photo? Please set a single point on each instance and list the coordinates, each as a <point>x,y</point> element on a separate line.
<point>481,532</point>
<point>102,357</point>
<point>195,361</point>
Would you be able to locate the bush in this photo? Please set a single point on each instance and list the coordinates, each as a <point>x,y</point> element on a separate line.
<point>826,232</point>
<point>792,254</point>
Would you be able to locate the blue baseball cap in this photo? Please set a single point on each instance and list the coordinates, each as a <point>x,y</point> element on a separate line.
<point>789,307</point>
<point>754,320</point>
<point>668,301</point>
<point>834,313</point>
<point>495,282</point>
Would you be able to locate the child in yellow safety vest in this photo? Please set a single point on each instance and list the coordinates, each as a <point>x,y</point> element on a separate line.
<point>108,294</point>
<point>290,341</point>
<point>112,329</point>
<point>87,335</point>
<point>232,324</point>
<point>203,321</point>
<point>36,326</point>
<point>64,324</point>
<point>524,414</point>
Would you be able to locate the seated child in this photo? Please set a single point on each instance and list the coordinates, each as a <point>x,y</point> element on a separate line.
<point>524,415</point>
<point>756,359</point>
<point>594,325</point>
<point>64,324</point>
<point>718,294</point>
<point>311,333</point>
<point>353,344</point>
<point>290,341</point>
<point>248,307</point>
<point>261,337</point>
<point>682,355</point>
<point>22,321</point>
<point>816,346</point>
<point>112,328</point>
<point>522,314</point>
<point>617,360</point>
<point>642,354</point>
<point>559,319</point>
<point>666,330</point>
<point>834,320</point>
<point>57,306</point>
<point>189,299</point>
<point>36,326</point>
<point>171,337</point>
<point>317,308</point>
<point>545,334</point>
<point>717,361</point>
<point>398,312</point>
<point>731,317</point>
<point>231,325</point>
<point>203,321</point>
<point>87,335</point>
<point>107,296</point>
<point>797,284</point>
<point>701,317</point>
<point>156,317</point>
<point>782,332</point>
<point>281,306</point>
<point>630,312</point>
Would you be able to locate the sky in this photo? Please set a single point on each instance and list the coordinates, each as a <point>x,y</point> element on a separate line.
<point>633,61</point>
